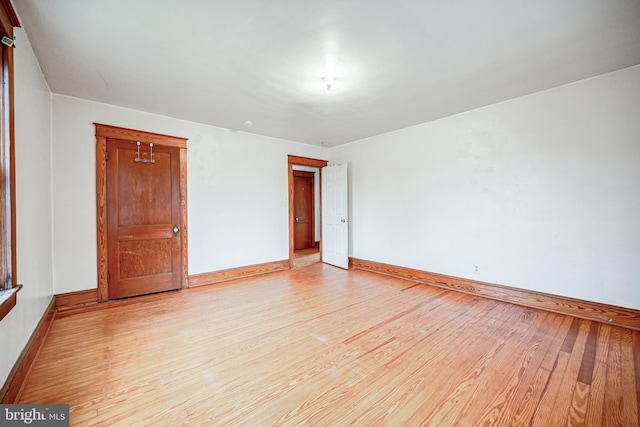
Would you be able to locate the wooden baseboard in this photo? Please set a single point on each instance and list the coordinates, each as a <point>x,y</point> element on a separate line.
<point>15,381</point>
<point>236,273</point>
<point>140,299</point>
<point>74,300</point>
<point>609,314</point>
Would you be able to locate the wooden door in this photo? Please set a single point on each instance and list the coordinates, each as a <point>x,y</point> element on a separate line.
<point>335,216</point>
<point>143,219</point>
<point>303,210</point>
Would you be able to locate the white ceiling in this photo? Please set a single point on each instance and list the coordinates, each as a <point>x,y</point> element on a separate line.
<point>397,63</point>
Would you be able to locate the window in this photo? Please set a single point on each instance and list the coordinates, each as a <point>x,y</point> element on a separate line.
<point>8,283</point>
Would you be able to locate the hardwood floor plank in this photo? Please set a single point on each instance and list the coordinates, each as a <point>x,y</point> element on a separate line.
<point>524,384</point>
<point>562,406</point>
<point>578,409</point>
<point>326,347</point>
<point>365,368</point>
<point>552,389</point>
<point>451,376</point>
<point>613,413</point>
<point>570,339</point>
<point>552,352</point>
<point>524,414</point>
<point>629,390</point>
<point>595,405</point>
<point>529,394</point>
<point>252,411</point>
<point>588,360</point>
<point>496,402</point>
<point>376,395</point>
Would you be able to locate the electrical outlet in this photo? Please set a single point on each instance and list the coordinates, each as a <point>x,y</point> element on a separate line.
<point>476,269</point>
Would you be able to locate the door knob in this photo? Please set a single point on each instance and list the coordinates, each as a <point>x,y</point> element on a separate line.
<point>175,230</point>
<point>297,218</point>
<point>343,220</point>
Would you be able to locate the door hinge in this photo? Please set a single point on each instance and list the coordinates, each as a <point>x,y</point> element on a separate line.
<point>106,155</point>
<point>108,277</point>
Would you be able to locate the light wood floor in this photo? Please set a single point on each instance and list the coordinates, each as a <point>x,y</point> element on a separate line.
<point>305,257</point>
<point>325,347</point>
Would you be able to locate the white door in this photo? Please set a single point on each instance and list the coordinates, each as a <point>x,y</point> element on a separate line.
<point>335,216</point>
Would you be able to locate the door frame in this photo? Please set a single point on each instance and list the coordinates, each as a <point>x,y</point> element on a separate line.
<point>102,133</point>
<point>312,215</point>
<point>302,161</point>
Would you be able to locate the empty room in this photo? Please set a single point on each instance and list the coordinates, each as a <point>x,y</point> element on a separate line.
<point>320,213</point>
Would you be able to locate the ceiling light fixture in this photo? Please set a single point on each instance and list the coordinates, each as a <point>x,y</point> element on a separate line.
<point>247,123</point>
<point>328,81</point>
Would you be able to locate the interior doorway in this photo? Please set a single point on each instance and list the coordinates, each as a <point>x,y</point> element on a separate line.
<point>141,212</point>
<point>304,212</point>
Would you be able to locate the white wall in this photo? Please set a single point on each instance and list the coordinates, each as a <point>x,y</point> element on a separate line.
<point>237,190</point>
<point>541,192</point>
<point>33,204</point>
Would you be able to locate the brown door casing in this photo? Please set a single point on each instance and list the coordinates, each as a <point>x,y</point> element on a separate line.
<point>138,206</point>
<point>303,210</point>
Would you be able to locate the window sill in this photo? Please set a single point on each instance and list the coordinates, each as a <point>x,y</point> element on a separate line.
<point>8,300</point>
